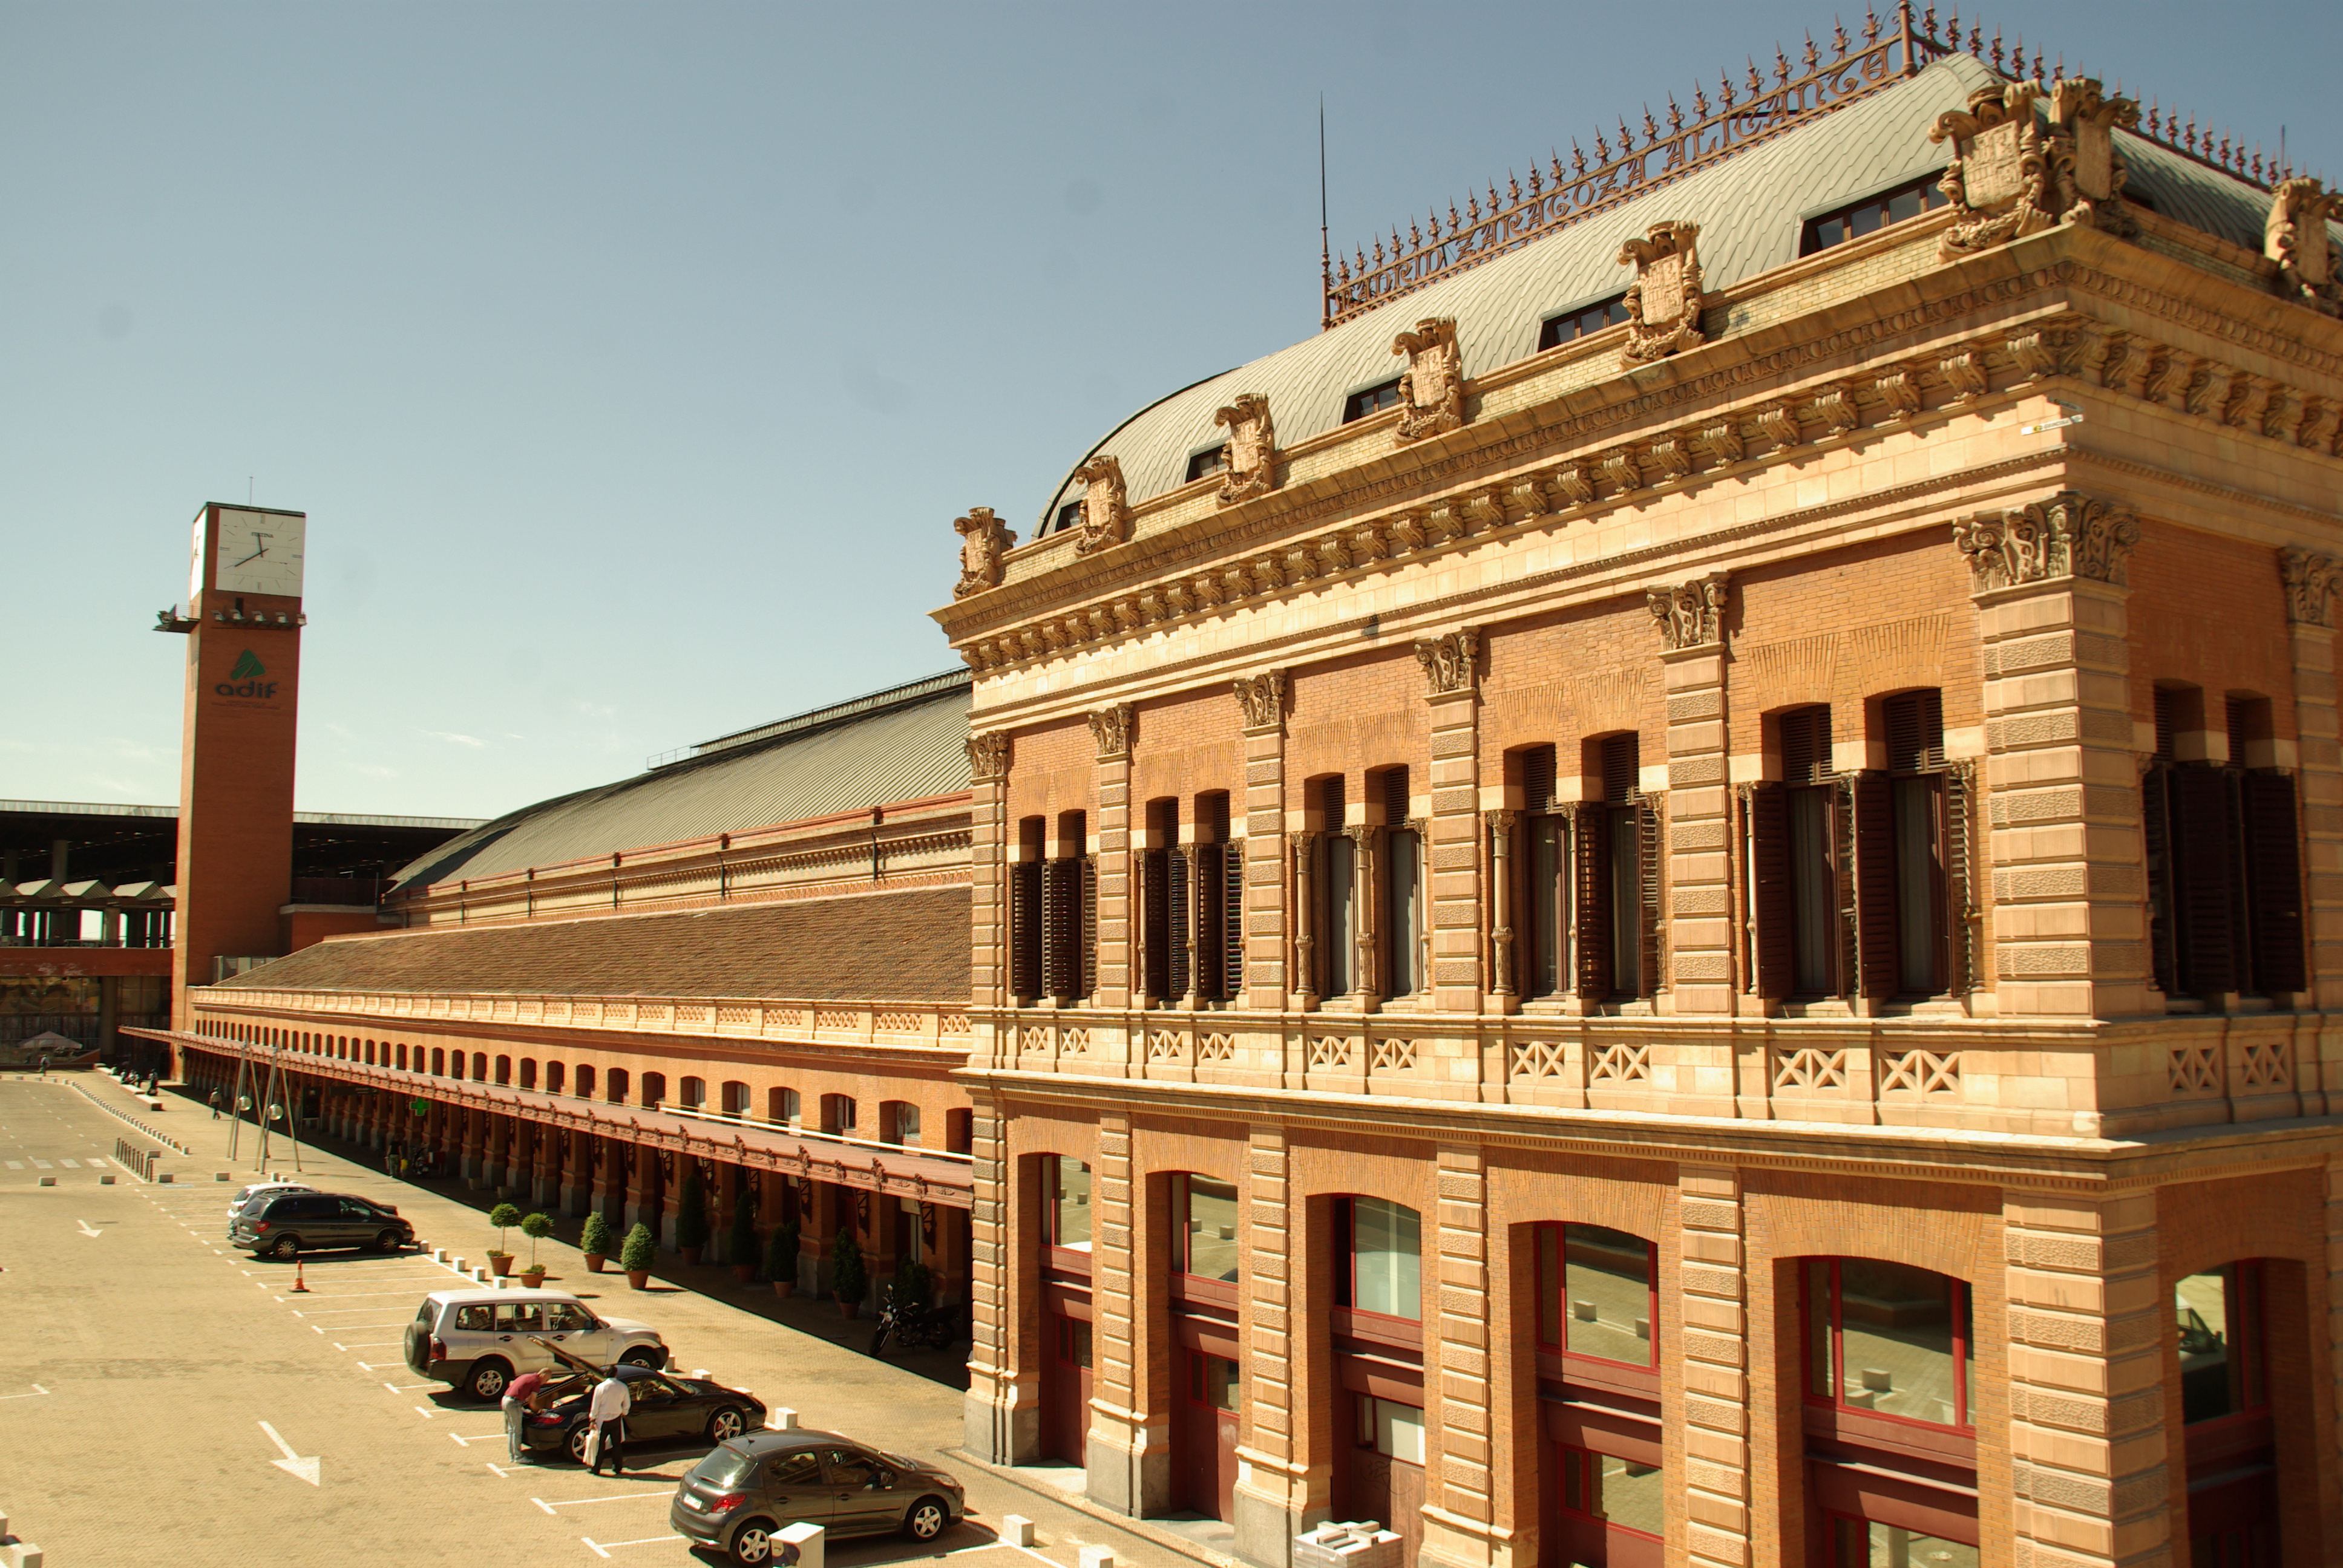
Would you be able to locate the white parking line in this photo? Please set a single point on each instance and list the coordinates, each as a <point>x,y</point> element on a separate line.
<point>489,1437</point>
<point>604,1548</point>
<point>613,1497</point>
<point>407,1388</point>
<point>374,1345</point>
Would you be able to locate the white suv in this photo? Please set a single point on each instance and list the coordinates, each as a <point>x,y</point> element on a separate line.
<point>477,1340</point>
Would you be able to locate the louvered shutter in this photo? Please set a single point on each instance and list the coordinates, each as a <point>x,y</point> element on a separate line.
<point>2163,924</point>
<point>1916,731</point>
<point>1086,960</point>
<point>1211,867</point>
<point>1874,885</point>
<point>1537,780</point>
<point>1155,928</point>
<point>1061,897</point>
<point>1178,899</point>
<point>1769,882</point>
<point>1959,869</point>
<point>1650,858</point>
<point>1593,903</point>
<point>1232,921</point>
<point>2202,874</point>
<point>1842,813</point>
<point>2273,883</point>
<point>1025,929</point>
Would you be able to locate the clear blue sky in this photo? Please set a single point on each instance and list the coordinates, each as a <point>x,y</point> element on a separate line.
<point>632,361</point>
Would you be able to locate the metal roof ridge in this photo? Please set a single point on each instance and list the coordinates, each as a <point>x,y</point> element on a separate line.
<point>317,819</point>
<point>869,702</point>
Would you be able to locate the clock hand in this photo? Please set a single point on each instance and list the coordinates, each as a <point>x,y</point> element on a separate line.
<point>254,556</point>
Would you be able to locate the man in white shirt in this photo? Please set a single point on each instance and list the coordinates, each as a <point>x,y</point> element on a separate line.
<point>608,1411</point>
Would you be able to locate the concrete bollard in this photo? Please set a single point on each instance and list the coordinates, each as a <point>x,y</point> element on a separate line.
<point>105,1180</point>
<point>1098,1557</point>
<point>27,1555</point>
<point>481,1275</point>
<point>811,1542</point>
<point>219,1175</point>
<point>48,1180</point>
<point>1017,1530</point>
<point>781,1421</point>
<point>165,1178</point>
<point>503,1282</point>
<point>439,1255</point>
<point>699,1373</point>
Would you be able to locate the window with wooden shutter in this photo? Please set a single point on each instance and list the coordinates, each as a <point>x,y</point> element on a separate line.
<point>1593,904</point>
<point>1960,874</point>
<point>1025,929</point>
<point>1914,722</point>
<point>2200,826</point>
<point>1086,962</point>
<point>2156,825</point>
<point>1154,926</point>
<point>1209,867</point>
<point>1232,919</point>
<point>1179,908</point>
<point>1651,839</point>
<point>1772,904</point>
<point>1805,735</point>
<point>1061,897</point>
<point>1537,779</point>
<point>1544,908</point>
<point>1875,947</point>
<point>2273,882</point>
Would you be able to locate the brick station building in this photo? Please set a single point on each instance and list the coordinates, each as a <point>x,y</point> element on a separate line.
<point>1675,895</point>
<point>1672,897</point>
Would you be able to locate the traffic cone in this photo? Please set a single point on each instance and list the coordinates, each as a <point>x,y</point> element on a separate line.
<point>298,1288</point>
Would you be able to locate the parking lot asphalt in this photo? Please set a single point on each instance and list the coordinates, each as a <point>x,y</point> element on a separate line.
<point>160,1391</point>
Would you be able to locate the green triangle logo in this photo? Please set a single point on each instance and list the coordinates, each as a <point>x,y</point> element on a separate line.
<point>246,667</point>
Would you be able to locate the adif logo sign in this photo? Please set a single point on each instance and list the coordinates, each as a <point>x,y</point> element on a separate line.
<point>248,678</point>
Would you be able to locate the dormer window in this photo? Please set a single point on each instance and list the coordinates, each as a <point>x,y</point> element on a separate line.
<point>1069,515</point>
<point>1212,460</point>
<point>1576,323</point>
<point>1871,213</point>
<point>1372,400</point>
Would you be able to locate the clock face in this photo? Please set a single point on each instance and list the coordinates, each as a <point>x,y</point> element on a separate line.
<point>258,552</point>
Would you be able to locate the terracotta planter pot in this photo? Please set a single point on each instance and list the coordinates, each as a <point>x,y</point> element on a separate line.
<point>594,1262</point>
<point>847,1309</point>
<point>690,1256</point>
<point>784,1288</point>
<point>745,1272</point>
<point>532,1278</point>
<point>500,1264</point>
<point>640,1279</point>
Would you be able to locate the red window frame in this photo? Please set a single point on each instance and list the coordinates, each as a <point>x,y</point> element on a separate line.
<point>1070,1331</point>
<point>1560,1231</point>
<point>1348,1207</point>
<point>1961,1306</point>
<point>1196,1370</point>
<point>1182,1185</point>
<point>2251,1282</point>
<point>1585,1462</point>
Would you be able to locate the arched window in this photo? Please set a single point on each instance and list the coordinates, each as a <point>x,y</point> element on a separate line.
<point>480,1067</point>
<point>617,1082</point>
<point>694,1094</point>
<point>838,1114</point>
<point>504,1069</point>
<point>782,1105</point>
<point>898,1122</point>
<point>1889,1339</point>
<point>438,1062</point>
<point>402,1059</point>
<point>1598,1294</point>
<point>1385,1262</point>
<point>654,1090</point>
<point>736,1099</point>
<point>528,1072</point>
<point>585,1080</point>
<point>1070,1203</point>
<point>553,1073</point>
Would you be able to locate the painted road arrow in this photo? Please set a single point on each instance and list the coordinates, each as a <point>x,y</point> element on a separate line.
<point>293,1463</point>
<point>87,1229</point>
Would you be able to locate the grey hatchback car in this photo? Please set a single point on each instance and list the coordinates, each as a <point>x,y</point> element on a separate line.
<point>287,1224</point>
<point>741,1497</point>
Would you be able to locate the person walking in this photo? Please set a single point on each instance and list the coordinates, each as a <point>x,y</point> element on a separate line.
<point>215,1105</point>
<point>608,1411</point>
<point>520,1395</point>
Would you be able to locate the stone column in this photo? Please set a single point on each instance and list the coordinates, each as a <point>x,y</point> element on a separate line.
<point>1262,698</point>
<point>2334,1288</point>
<point>1111,729</point>
<point>1696,962</point>
<point>988,765</point>
<point>1001,1418</point>
<point>2088,1460</point>
<point>1130,1449</point>
<point>2311,583</point>
<point>1713,1294</point>
<point>578,1176</point>
<point>1505,982</point>
<point>1452,675</point>
<point>2062,780</point>
<point>1276,1483</point>
<point>1461,1514</point>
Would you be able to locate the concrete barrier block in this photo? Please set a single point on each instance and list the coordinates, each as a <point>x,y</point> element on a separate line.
<point>1098,1557</point>
<point>48,1180</point>
<point>27,1555</point>
<point>105,1180</point>
<point>699,1373</point>
<point>1017,1530</point>
<point>219,1175</point>
<point>165,1178</point>
<point>439,1255</point>
<point>781,1421</point>
<point>811,1542</point>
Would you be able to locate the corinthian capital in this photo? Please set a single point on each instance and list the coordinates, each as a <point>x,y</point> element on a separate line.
<point>2311,581</point>
<point>2070,535</point>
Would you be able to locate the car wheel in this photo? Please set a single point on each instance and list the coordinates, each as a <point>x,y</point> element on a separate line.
<point>752,1543</point>
<point>927,1519</point>
<point>389,1241</point>
<point>577,1443</point>
<point>642,1356</point>
<point>488,1380</point>
<point>286,1248</point>
<point>727,1424</point>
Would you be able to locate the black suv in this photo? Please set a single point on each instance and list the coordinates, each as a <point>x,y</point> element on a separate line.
<point>288,1224</point>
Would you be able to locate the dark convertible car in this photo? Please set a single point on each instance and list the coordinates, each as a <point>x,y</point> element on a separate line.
<point>669,1412</point>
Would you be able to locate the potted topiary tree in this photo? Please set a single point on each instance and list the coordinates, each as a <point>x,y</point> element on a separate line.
<point>849,1281</point>
<point>536,1227</point>
<point>692,1217</point>
<point>781,1259</point>
<point>637,1256</point>
<point>595,1241</point>
<point>503,1217</point>
<point>741,1246</point>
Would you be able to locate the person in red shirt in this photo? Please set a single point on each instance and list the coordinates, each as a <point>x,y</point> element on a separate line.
<point>520,1397</point>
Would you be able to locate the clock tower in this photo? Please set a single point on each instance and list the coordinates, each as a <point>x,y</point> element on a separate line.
<point>243,626</point>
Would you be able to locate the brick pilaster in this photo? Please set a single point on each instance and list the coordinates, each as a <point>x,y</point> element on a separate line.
<point>2334,1289</point>
<point>1111,834</point>
<point>2062,779</point>
<point>1001,1419</point>
<point>1129,1451</point>
<point>1461,1514</point>
<point>989,761</point>
<point>2087,1326</point>
<point>1713,1295</point>
<point>1262,698</point>
<point>2319,782</point>
<point>1452,670</point>
<point>1274,1480</point>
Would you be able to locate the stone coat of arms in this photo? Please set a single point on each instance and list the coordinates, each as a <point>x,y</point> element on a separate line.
<point>1664,302</point>
<point>1431,388</point>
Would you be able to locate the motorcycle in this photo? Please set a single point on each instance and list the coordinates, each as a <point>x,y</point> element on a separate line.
<point>913,1325</point>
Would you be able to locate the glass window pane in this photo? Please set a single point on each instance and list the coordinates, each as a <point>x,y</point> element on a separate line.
<point>1903,205</point>
<point>1895,1326</point>
<point>1917,901</point>
<point>1219,1382</point>
<point>1340,943</point>
<point>1211,1222</point>
<point>1545,906</point>
<point>1399,1431</point>
<point>1814,893</point>
<point>1633,1495</point>
<point>1387,1258</point>
<point>1607,1283</point>
<point>1405,922</point>
<point>1626,904</point>
<point>1818,1329</point>
<point>1072,1203</point>
<point>2202,1305</point>
<point>1549,1278</point>
<point>1862,1544</point>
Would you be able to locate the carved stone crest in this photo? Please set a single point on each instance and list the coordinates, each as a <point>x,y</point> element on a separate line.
<point>2088,174</point>
<point>1690,615</point>
<point>1447,660</point>
<point>1999,179</point>
<point>2312,581</point>
<point>984,540</point>
<point>1262,698</point>
<point>1110,729</point>
<point>2295,237</point>
<point>1664,302</point>
<point>2070,535</point>
<point>1252,449</point>
<point>1106,515</point>
<point>1431,388</point>
<point>988,756</point>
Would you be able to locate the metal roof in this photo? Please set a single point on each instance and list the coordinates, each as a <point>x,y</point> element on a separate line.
<point>908,743</point>
<point>1751,208</point>
<point>310,819</point>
